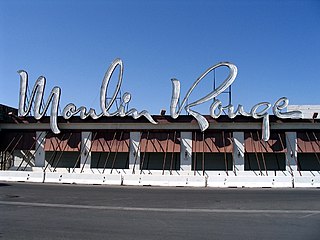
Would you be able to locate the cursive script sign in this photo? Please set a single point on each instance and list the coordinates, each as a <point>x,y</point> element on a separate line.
<point>259,110</point>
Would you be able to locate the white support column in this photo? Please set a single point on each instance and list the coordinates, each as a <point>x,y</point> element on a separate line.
<point>291,154</point>
<point>85,161</point>
<point>134,154</point>
<point>186,151</point>
<point>238,151</point>
<point>39,158</point>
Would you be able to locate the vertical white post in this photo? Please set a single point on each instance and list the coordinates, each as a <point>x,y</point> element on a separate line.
<point>186,151</point>
<point>291,154</point>
<point>39,158</point>
<point>134,154</point>
<point>238,151</point>
<point>85,161</point>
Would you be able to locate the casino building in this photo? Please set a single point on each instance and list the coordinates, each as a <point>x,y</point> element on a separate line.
<point>174,152</point>
<point>228,148</point>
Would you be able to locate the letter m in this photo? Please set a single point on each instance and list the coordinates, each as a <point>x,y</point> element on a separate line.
<point>37,97</point>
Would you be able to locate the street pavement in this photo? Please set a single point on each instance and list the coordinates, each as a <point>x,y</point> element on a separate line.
<point>53,211</point>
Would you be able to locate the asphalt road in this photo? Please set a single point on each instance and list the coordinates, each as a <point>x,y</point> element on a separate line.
<point>46,211</point>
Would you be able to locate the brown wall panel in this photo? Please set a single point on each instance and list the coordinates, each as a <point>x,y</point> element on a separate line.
<point>67,142</point>
<point>253,142</point>
<point>110,141</point>
<point>160,142</point>
<point>212,142</point>
<point>17,140</point>
<point>308,142</point>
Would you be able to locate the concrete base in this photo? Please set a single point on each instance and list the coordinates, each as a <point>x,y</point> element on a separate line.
<point>21,176</point>
<point>219,179</point>
<point>250,179</point>
<point>82,178</point>
<point>305,179</point>
<point>164,180</point>
<point>250,182</point>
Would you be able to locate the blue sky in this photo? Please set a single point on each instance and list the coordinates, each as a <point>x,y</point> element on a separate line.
<point>274,44</point>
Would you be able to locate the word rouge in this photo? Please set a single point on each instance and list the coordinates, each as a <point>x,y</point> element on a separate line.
<point>260,110</point>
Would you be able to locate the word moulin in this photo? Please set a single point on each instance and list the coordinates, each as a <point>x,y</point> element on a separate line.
<point>70,109</point>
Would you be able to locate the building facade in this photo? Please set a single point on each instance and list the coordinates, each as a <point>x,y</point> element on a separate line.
<point>174,152</point>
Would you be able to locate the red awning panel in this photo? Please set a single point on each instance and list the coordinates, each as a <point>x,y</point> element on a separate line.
<point>160,142</point>
<point>212,142</point>
<point>253,142</point>
<point>110,141</point>
<point>308,142</point>
<point>66,142</point>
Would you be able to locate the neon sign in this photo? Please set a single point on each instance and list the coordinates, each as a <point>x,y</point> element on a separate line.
<point>260,110</point>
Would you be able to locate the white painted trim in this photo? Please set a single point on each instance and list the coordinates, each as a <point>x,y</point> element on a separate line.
<point>85,159</point>
<point>186,151</point>
<point>238,151</point>
<point>134,154</point>
<point>291,154</point>
<point>39,157</point>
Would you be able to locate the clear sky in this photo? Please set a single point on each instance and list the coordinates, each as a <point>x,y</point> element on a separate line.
<point>274,44</point>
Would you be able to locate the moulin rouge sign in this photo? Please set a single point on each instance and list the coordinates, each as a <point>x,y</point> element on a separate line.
<point>260,110</point>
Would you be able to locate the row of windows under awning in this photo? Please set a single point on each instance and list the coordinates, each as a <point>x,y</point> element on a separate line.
<point>152,141</point>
